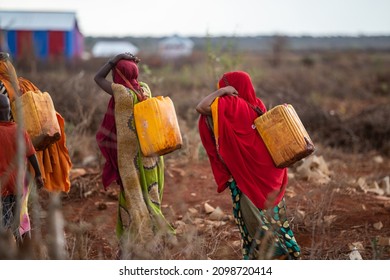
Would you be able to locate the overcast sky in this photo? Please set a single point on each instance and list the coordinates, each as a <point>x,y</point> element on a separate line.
<point>220,17</point>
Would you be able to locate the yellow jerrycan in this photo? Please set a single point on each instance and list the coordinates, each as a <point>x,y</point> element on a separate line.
<point>39,117</point>
<point>157,126</point>
<point>284,135</point>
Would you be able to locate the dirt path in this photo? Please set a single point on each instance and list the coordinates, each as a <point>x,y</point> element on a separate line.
<point>326,218</point>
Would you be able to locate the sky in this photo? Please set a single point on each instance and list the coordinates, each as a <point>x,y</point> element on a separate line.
<point>220,17</point>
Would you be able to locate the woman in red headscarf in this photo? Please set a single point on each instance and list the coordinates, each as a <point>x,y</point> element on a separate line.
<point>141,179</point>
<point>240,161</point>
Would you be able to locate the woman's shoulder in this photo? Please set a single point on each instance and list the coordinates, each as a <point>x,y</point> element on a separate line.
<point>144,85</point>
<point>118,90</point>
<point>232,101</point>
<point>116,87</point>
<point>146,88</point>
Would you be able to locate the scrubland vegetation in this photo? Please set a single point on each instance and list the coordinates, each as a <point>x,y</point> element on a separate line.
<point>342,97</point>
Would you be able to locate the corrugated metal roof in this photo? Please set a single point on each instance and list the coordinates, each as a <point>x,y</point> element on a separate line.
<point>177,41</point>
<point>28,20</point>
<point>111,48</point>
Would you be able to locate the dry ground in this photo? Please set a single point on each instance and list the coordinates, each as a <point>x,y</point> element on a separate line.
<point>326,218</point>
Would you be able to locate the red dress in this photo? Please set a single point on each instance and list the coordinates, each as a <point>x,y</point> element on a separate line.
<point>8,152</point>
<point>237,150</point>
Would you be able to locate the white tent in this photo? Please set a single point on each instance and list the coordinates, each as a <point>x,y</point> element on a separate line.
<point>175,46</point>
<point>111,48</point>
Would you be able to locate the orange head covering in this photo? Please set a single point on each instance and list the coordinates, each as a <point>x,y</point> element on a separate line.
<point>26,85</point>
<point>8,76</point>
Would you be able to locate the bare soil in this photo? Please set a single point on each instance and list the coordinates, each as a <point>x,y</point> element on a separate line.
<point>326,218</point>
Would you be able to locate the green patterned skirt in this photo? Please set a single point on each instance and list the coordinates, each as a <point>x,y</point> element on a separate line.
<point>266,234</point>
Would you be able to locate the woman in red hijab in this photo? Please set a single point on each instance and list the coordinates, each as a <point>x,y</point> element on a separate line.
<point>240,161</point>
<point>140,224</point>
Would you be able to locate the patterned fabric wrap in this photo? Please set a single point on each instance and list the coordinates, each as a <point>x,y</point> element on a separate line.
<point>141,178</point>
<point>266,234</point>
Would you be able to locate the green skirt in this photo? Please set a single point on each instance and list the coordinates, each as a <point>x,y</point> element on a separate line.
<point>266,234</point>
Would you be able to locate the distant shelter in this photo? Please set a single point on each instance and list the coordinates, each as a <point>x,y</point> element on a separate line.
<point>26,34</point>
<point>175,47</point>
<point>112,48</point>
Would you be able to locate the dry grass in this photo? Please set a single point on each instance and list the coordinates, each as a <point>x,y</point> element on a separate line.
<point>343,100</point>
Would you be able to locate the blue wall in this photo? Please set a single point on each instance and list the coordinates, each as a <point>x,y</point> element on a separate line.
<point>41,43</point>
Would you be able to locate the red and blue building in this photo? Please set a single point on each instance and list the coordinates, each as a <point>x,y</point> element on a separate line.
<point>41,34</point>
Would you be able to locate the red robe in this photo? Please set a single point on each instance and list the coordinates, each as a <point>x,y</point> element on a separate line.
<point>236,148</point>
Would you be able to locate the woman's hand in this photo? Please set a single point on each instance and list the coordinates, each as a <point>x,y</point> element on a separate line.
<point>126,55</point>
<point>204,105</point>
<point>100,76</point>
<point>39,182</point>
<point>228,90</point>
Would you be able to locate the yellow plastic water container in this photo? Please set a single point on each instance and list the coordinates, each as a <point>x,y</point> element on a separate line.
<point>284,135</point>
<point>39,117</point>
<point>157,126</point>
